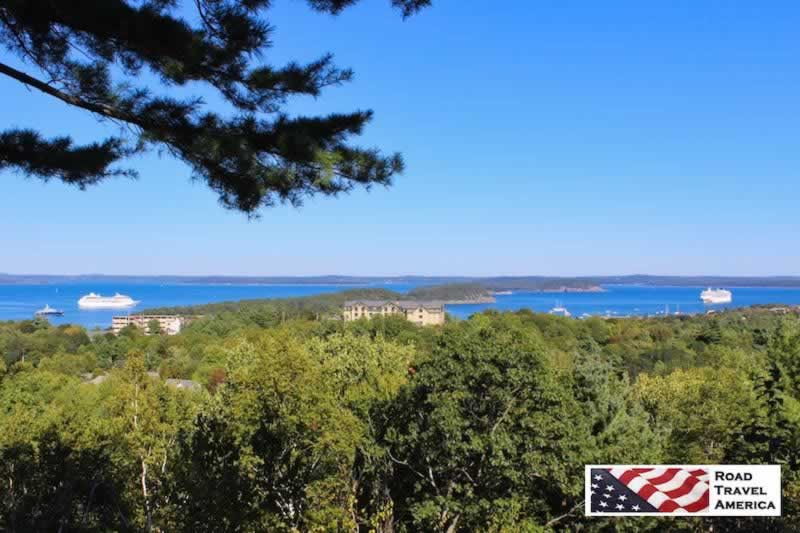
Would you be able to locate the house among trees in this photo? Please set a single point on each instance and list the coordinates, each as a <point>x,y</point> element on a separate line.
<point>422,313</point>
<point>187,384</point>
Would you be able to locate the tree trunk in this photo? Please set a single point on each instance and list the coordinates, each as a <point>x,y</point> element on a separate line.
<point>144,494</point>
<point>454,524</point>
<point>88,504</point>
<point>12,515</point>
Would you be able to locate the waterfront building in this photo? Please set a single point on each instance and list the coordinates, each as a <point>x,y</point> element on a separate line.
<point>169,324</point>
<point>422,313</point>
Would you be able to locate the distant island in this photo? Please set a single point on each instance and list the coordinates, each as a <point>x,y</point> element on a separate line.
<point>491,284</point>
<point>454,293</point>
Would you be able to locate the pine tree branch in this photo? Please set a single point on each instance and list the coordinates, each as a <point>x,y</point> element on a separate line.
<point>28,152</point>
<point>248,160</point>
<point>30,81</point>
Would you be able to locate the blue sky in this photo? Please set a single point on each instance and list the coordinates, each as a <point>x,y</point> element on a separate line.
<point>555,138</point>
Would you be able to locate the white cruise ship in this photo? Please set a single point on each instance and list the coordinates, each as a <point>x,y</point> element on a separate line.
<point>716,296</point>
<point>96,301</point>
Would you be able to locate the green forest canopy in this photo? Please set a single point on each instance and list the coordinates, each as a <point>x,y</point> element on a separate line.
<point>320,425</point>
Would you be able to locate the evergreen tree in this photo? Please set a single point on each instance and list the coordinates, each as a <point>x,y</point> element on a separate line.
<point>618,425</point>
<point>711,333</point>
<point>773,437</point>
<point>91,55</point>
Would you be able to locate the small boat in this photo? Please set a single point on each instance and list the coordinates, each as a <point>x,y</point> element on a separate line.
<point>560,310</point>
<point>503,293</point>
<point>48,311</point>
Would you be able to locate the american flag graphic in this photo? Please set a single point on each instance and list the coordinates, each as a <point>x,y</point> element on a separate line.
<point>648,490</point>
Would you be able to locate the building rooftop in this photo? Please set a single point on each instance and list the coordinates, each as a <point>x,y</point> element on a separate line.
<point>139,316</point>
<point>402,304</point>
<point>183,384</point>
<point>368,303</point>
<point>98,379</point>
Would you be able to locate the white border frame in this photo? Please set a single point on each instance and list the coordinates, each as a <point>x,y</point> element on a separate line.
<point>588,504</point>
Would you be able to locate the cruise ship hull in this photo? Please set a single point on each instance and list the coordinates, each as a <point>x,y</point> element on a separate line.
<point>109,305</point>
<point>714,301</point>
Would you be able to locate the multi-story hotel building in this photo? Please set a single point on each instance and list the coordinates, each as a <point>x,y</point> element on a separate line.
<point>422,313</point>
<point>169,324</point>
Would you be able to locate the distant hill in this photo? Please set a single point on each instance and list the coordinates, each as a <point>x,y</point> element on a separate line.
<point>495,283</point>
<point>540,284</point>
<point>700,281</point>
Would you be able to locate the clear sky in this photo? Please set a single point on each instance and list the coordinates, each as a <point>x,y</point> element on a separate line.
<point>554,137</point>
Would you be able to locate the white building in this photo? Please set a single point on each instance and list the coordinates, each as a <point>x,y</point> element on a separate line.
<point>422,313</point>
<point>169,324</point>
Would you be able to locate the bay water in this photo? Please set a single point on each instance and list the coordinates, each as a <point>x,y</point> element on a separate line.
<point>19,302</point>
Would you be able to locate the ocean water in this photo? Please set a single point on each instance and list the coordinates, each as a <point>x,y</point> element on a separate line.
<point>19,302</point>
<point>631,300</point>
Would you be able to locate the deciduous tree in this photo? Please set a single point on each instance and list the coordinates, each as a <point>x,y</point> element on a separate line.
<point>484,433</point>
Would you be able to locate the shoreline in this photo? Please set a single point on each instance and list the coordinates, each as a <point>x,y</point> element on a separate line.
<point>469,301</point>
<point>500,292</point>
